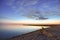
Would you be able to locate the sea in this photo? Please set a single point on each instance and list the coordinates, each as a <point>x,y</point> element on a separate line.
<point>8,31</point>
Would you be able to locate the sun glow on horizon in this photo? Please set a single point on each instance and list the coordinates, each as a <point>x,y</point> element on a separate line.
<point>32,21</point>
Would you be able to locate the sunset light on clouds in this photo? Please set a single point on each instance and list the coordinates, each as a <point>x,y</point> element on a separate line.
<point>32,21</point>
<point>17,10</point>
<point>19,17</point>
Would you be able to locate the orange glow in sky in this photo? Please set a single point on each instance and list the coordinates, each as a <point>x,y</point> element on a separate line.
<point>32,21</point>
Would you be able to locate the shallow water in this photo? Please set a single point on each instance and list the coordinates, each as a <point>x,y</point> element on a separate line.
<point>7,31</point>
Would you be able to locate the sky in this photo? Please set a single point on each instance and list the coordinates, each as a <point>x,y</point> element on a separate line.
<point>17,10</point>
<point>27,11</point>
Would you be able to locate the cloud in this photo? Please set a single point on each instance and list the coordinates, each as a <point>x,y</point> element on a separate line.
<point>30,7</point>
<point>2,17</point>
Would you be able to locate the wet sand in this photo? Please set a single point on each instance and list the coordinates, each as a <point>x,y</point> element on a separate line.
<point>36,35</point>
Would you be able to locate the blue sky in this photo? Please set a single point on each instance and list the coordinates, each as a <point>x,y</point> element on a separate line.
<point>15,9</point>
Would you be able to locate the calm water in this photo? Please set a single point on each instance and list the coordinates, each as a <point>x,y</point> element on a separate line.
<point>7,31</point>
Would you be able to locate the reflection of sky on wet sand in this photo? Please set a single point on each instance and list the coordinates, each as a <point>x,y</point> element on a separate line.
<point>14,30</point>
<point>21,27</point>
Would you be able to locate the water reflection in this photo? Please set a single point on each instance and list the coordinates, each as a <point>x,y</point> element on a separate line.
<point>14,30</point>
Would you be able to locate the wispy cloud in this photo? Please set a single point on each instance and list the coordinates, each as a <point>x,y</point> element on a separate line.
<point>17,8</point>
